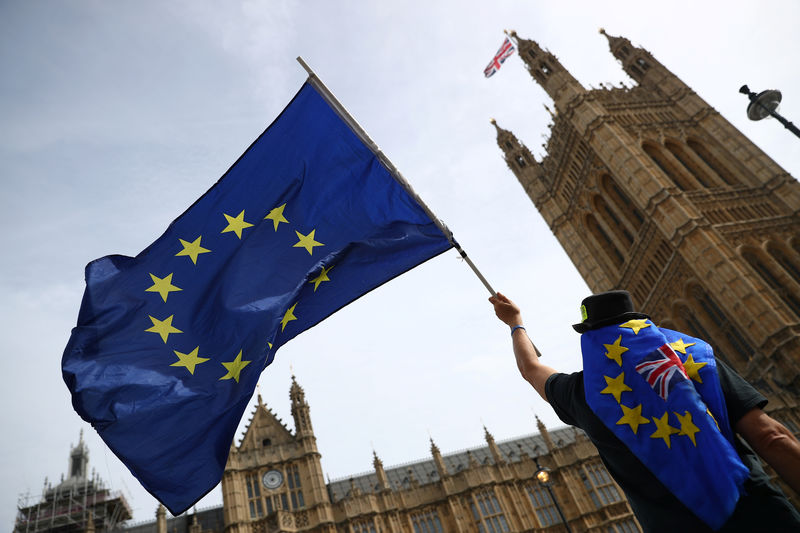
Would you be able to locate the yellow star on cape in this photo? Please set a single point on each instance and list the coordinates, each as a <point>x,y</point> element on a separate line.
<point>236,224</point>
<point>192,249</point>
<point>162,286</point>
<point>616,350</point>
<point>189,360</point>
<point>664,429</point>
<point>693,369</point>
<point>708,412</point>
<point>163,327</point>
<point>687,426</point>
<point>307,241</point>
<point>616,386</point>
<point>632,417</point>
<point>636,325</point>
<point>323,276</point>
<point>276,216</point>
<point>680,346</point>
<point>234,368</point>
<point>288,317</point>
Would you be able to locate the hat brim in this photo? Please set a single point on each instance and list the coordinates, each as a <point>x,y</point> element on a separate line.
<point>585,326</point>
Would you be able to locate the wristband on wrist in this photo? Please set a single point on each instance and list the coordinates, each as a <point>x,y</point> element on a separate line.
<point>515,328</point>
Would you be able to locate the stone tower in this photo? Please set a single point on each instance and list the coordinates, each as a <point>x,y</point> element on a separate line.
<point>649,189</point>
<point>273,480</point>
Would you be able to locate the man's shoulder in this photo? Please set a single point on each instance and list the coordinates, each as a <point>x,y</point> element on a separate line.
<point>565,395</point>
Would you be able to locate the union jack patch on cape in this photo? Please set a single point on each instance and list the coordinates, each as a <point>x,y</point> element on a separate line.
<point>662,369</point>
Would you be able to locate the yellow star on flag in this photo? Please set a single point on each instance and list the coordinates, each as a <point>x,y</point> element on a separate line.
<point>687,426</point>
<point>288,317</point>
<point>189,360</point>
<point>323,276</point>
<point>276,216</point>
<point>192,249</point>
<point>162,286</point>
<point>615,350</point>
<point>163,327</point>
<point>693,369</point>
<point>636,324</point>
<point>307,241</point>
<point>664,429</point>
<point>632,417</point>
<point>616,386</point>
<point>236,224</point>
<point>234,368</point>
<point>680,346</point>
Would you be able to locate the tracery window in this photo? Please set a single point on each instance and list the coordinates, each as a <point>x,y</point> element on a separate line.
<point>664,163</point>
<point>621,201</point>
<point>688,163</point>
<point>427,522</point>
<point>619,228</point>
<point>293,482</point>
<point>543,505</point>
<point>625,526</point>
<point>604,241</point>
<point>767,271</point>
<point>487,513</point>
<point>713,163</point>
<point>716,318</point>
<point>599,485</point>
<point>366,526</point>
<point>253,483</point>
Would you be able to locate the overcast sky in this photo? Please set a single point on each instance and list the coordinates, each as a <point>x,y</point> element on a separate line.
<point>116,116</point>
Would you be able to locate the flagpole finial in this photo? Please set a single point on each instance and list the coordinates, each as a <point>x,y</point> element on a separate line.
<point>602,31</point>
<point>492,120</point>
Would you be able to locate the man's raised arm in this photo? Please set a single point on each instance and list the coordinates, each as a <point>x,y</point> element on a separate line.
<point>525,352</point>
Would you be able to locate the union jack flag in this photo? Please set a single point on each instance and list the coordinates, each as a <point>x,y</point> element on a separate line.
<point>505,50</point>
<point>662,369</point>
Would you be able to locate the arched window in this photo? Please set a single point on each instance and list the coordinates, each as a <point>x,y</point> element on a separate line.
<point>713,163</point>
<point>688,163</point>
<point>787,259</point>
<point>695,328</point>
<point>660,159</point>
<point>772,275</point>
<point>602,209</point>
<point>714,319</point>
<point>604,241</point>
<point>621,201</point>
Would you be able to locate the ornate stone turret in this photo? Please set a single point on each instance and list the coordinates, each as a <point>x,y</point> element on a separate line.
<point>493,448</point>
<point>380,473</point>
<point>548,72</point>
<point>300,411</point>
<point>161,519</point>
<point>441,468</point>
<point>545,435</point>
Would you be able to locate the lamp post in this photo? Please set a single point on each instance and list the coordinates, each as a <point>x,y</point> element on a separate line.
<point>765,104</point>
<point>543,476</point>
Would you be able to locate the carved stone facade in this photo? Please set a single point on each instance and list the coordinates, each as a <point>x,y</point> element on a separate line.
<point>649,189</point>
<point>274,483</point>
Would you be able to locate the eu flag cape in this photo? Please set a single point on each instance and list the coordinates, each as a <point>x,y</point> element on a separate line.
<point>169,344</point>
<point>657,390</point>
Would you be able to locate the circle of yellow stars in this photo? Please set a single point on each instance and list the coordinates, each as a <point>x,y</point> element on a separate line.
<point>193,250</point>
<point>632,416</point>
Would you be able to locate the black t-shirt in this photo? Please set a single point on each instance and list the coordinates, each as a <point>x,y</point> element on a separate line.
<point>762,508</point>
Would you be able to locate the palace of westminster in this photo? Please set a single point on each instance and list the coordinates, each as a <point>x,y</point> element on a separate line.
<point>647,188</point>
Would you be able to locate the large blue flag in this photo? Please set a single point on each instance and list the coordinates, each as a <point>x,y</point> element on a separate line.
<point>658,391</point>
<point>169,344</point>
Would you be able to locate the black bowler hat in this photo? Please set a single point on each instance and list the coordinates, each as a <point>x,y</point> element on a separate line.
<point>605,309</point>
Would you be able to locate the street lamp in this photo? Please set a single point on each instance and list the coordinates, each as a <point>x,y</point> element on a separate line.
<point>765,104</point>
<point>543,477</point>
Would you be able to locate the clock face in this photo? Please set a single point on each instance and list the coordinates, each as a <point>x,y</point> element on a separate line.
<point>272,479</point>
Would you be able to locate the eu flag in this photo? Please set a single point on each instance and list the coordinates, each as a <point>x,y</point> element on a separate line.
<point>169,344</point>
<point>657,390</point>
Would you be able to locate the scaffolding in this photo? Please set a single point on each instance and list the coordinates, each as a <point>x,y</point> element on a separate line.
<point>80,503</point>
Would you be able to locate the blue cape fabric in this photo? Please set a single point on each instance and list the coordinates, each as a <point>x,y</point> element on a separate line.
<point>657,390</point>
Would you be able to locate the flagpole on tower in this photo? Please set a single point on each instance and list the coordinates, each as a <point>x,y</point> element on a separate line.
<point>365,138</point>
